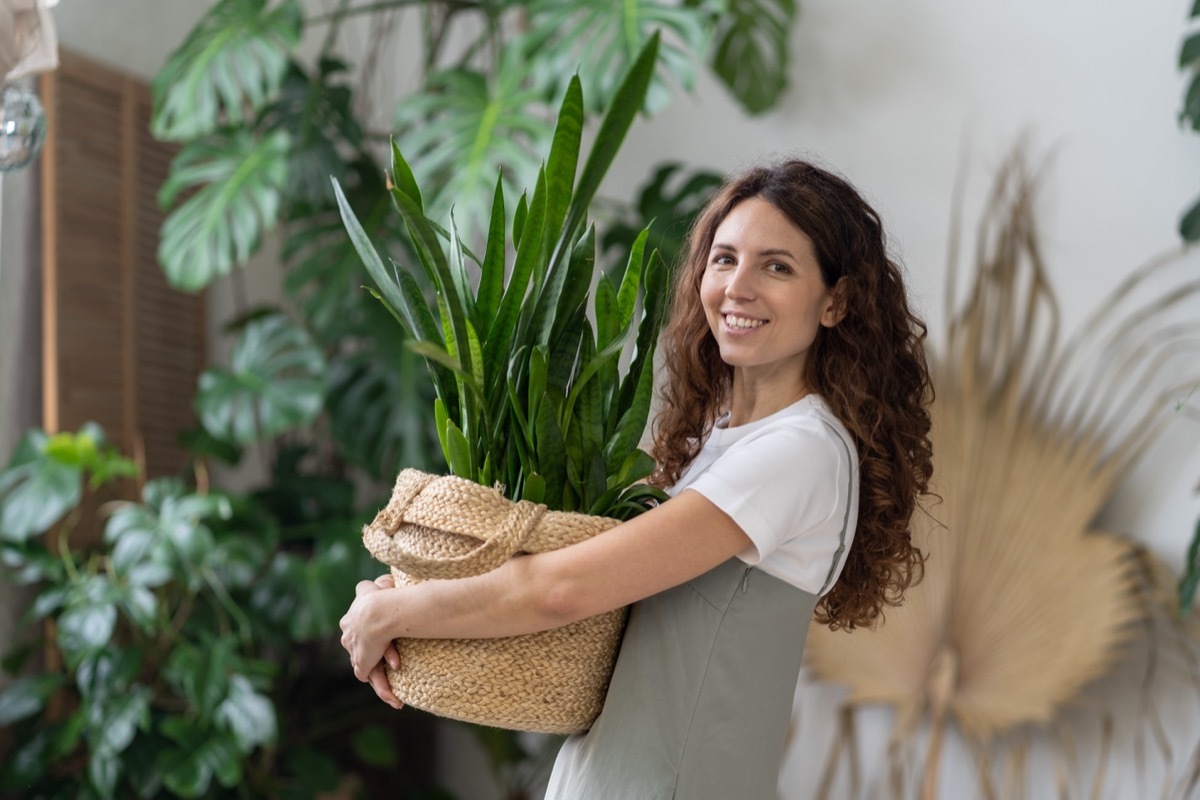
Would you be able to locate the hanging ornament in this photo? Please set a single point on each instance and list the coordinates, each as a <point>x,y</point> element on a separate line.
<point>22,127</point>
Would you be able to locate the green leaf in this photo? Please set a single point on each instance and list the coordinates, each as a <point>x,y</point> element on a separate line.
<point>103,772</point>
<point>671,199</point>
<point>601,40</point>
<point>751,54</point>
<point>85,628</point>
<point>36,489</point>
<point>233,61</point>
<point>465,128</point>
<point>632,423</point>
<point>122,715</point>
<point>625,104</point>
<point>200,674</point>
<point>552,452</point>
<point>239,182</point>
<point>564,156</point>
<point>1191,103</point>
<point>491,277</point>
<point>250,716</point>
<point>1189,53</point>
<point>1191,574</point>
<point>1189,225</point>
<point>385,280</point>
<point>27,696</point>
<point>273,385</point>
<point>458,452</point>
<point>199,754</point>
<point>317,110</point>
<point>535,488</point>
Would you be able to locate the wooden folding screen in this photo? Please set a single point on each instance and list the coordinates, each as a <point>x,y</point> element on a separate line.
<point>120,347</point>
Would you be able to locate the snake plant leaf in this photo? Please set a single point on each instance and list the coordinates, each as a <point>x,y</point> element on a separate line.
<point>324,268</point>
<point>274,383</point>
<point>491,271</point>
<point>751,53</point>
<point>616,122</point>
<point>552,448</point>
<point>564,155</point>
<point>464,129</point>
<point>232,63</point>
<point>600,40</point>
<point>510,325</point>
<point>239,181</point>
<point>608,327</point>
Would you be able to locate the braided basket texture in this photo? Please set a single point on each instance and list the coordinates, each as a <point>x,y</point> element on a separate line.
<point>449,527</point>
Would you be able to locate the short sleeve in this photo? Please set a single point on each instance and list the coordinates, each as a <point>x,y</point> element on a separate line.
<point>777,484</point>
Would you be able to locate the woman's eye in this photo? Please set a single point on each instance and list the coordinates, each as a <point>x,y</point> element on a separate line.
<point>722,260</point>
<point>782,269</point>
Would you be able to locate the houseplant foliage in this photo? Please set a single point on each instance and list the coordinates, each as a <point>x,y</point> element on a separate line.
<point>529,395</point>
<point>179,643</point>
<point>1189,228</point>
<point>1024,603</point>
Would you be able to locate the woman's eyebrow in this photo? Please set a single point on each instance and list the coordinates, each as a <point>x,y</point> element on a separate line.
<point>770,251</point>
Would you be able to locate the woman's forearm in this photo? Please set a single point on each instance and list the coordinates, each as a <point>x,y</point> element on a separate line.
<point>511,600</point>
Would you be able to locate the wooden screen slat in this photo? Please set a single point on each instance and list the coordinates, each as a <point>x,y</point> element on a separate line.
<point>122,347</point>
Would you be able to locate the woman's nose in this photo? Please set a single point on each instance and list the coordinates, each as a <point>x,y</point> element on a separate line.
<point>741,284</point>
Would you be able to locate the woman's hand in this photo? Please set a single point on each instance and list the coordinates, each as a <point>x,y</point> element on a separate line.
<point>369,648</point>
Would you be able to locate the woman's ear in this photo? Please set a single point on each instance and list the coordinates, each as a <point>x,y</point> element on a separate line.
<point>836,308</point>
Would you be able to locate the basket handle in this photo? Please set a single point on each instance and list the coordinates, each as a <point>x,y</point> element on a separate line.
<point>490,553</point>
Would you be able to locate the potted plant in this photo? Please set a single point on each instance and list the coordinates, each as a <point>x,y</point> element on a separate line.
<point>531,400</point>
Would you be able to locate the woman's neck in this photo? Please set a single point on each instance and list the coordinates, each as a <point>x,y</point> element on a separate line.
<point>750,401</point>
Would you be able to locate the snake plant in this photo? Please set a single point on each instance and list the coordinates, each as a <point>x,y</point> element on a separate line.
<point>531,393</point>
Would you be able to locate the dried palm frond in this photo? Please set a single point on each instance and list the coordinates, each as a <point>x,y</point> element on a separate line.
<point>1023,603</point>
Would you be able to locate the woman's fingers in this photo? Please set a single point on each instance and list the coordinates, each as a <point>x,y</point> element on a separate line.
<point>386,581</point>
<point>379,682</point>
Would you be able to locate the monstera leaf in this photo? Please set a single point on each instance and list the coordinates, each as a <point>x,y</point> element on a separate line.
<point>274,383</point>
<point>241,180</point>
<point>44,478</point>
<point>465,128</point>
<point>599,41</point>
<point>325,137</point>
<point>229,67</point>
<point>751,53</point>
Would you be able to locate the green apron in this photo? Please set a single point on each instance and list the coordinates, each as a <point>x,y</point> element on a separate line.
<point>701,698</point>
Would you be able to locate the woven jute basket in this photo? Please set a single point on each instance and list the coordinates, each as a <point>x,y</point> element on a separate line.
<point>437,527</point>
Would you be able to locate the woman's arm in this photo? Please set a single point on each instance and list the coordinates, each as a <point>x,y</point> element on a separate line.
<point>664,547</point>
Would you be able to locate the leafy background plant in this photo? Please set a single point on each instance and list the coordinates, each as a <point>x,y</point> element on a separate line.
<point>1189,229</point>
<point>187,636</point>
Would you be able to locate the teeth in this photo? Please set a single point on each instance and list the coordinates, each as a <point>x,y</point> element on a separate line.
<point>743,322</point>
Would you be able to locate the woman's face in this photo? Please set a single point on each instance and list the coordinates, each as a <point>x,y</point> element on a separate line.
<point>763,293</point>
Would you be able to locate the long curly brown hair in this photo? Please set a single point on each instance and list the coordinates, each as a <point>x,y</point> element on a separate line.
<point>870,369</point>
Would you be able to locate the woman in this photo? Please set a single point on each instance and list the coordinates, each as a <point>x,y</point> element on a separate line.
<point>793,440</point>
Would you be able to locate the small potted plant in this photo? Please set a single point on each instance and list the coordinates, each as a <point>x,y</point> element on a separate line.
<point>537,418</point>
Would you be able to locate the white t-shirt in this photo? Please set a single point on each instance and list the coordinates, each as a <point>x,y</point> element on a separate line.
<point>790,481</point>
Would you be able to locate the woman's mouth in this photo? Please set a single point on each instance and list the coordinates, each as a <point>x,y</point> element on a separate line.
<point>738,323</point>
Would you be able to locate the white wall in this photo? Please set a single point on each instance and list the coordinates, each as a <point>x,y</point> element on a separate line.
<point>896,95</point>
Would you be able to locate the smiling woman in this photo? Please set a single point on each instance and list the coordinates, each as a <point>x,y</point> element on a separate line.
<point>793,443</point>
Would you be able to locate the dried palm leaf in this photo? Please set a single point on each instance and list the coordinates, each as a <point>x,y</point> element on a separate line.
<point>1023,603</point>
